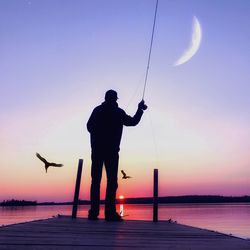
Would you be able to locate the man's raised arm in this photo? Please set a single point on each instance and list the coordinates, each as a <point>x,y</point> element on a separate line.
<point>133,121</point>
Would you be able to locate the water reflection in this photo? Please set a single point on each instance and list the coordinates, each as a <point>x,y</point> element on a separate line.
<point>122,210</point>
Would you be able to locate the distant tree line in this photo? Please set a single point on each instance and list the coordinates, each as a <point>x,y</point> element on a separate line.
<point>168,200</point>
<point>143,200</point>
<point>18,203</point>
<point>187,199</point>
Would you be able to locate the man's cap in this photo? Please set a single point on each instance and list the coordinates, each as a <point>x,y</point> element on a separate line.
<point>111,95</point>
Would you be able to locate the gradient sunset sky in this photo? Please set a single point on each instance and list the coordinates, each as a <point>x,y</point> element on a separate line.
<point>57,59</point>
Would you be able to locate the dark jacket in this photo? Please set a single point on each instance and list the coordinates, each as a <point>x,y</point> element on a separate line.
<point>105,126</point>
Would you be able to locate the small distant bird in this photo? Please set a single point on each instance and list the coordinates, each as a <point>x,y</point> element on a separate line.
<point>48,164</point>
<point>124,175</point>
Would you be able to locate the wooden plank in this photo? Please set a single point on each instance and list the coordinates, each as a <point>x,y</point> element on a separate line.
<point>67,233</point>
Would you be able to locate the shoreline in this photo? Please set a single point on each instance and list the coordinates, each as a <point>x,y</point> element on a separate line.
<point>124,203</point>
<point>185,199</point>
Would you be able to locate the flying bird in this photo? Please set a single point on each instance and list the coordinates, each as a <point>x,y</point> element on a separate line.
<point>125,176</point>
<point>48,164</point>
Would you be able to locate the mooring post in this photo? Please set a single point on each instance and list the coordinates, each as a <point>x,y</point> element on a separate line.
<point>77,188</point>
<point>155,208</point>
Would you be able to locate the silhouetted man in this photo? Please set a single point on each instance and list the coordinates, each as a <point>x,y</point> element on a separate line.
<point>105,126</point>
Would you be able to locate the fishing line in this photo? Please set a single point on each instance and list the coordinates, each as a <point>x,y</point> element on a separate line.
<point>149,59</point>
<point>150,50</point>
<point>136,92</point>
<point>145,83</point>
<point>156,153</point>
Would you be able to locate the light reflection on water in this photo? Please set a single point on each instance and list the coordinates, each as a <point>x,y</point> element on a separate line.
<point>228,218</point>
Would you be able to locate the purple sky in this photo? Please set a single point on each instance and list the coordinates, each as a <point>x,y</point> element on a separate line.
<point>59,57</point>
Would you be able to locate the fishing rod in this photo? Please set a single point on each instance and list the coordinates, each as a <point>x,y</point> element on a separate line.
<point>150,50</point>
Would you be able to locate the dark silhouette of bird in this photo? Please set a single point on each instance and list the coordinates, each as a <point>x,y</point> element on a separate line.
<point>125,176</point>
<point>48,164</point>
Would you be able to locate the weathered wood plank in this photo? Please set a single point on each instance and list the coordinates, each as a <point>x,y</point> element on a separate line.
<point>65,233</point>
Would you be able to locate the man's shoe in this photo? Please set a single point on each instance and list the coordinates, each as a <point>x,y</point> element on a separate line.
<point>92,217</point>
<point>113,217</point>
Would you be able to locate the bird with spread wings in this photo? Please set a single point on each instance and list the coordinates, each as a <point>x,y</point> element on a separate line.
<point>125,176</point>
<point>48,164</point>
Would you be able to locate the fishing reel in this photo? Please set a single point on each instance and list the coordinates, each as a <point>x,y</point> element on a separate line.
<point>142,105</point>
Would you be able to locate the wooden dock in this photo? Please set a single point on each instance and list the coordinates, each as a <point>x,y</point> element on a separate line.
<point>66,233</point>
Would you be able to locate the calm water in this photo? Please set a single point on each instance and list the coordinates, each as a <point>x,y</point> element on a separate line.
<point>227,218</point>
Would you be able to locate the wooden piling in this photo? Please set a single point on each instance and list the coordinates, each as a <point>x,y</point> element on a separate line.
<point>155,206</point>
<point>77,188</point>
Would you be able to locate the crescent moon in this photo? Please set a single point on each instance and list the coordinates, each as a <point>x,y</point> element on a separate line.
<point>194,45</point>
